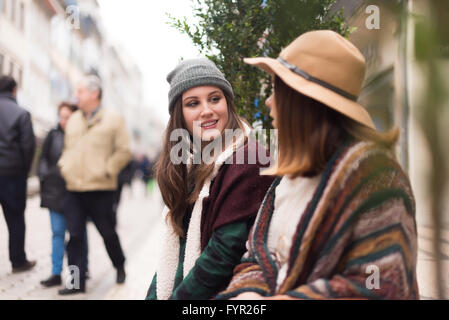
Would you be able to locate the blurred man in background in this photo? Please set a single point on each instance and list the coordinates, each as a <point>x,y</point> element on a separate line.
<point>96,149</point>
<point>17,147</point>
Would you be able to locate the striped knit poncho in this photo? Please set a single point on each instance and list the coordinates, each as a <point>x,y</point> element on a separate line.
<point>356,239</point>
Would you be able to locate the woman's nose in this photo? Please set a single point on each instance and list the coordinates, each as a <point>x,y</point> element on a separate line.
<point>205,109</point>
<point>269,102</point>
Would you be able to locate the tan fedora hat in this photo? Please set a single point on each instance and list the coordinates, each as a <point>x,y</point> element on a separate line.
<point>323,66</point>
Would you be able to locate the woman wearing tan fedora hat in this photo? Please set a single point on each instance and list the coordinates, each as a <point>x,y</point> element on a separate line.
<point>339,220</point>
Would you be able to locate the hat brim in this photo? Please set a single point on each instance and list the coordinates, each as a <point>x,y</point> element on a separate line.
<point>313,90</point>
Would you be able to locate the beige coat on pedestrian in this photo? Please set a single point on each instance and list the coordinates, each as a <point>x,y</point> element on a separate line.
<point>95,151</point>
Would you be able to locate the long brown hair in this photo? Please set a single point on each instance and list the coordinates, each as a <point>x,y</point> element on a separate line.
<point>309,133</point>
<point>180,187</point>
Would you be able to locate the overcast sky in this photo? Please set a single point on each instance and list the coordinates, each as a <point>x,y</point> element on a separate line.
<point>140,27</point>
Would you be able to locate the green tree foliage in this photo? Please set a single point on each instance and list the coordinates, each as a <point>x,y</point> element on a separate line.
<point>227,31</point>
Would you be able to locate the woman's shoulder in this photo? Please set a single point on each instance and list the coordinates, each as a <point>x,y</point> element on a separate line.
<point>365,157</point>
<point>52,133</point>
<point>245,168</point>
<point>252,153</point>
<point>247,160</point>
<point>369,166</point>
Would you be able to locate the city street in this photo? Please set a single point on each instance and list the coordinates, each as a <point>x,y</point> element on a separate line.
<point>138,228</point>
<point>83,92</point>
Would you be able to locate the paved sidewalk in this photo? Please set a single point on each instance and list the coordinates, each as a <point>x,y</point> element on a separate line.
<point>138,228</point>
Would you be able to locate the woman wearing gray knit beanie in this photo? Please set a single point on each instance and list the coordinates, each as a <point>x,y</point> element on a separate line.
<point>209,207</point>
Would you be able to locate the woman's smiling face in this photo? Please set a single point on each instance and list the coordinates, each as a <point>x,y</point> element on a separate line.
<point>205,111</point>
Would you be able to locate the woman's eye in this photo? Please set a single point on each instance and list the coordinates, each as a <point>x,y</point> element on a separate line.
<point>192,104</point>
<point>216,99</point>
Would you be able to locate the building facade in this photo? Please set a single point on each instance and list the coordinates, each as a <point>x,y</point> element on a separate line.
<point>48,45</point>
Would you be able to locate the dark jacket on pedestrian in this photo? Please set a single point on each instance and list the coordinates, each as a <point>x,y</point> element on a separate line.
<point>146,167</point>
<point>17,141</point>
<point>53,187</point>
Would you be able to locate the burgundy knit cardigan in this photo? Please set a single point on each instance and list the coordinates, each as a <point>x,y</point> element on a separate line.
<point>236,193</point>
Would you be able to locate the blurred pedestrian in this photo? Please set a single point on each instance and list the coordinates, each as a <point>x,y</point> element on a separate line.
<point>53,191</point>
<point>96,149</point>
<point>339,221</point>
<point>146,170</point>
<point>210,207</point>
<point>17,147</point>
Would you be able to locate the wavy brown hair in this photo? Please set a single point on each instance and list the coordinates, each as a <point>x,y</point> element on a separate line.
<point>309,133</point>
<point>180,188</point>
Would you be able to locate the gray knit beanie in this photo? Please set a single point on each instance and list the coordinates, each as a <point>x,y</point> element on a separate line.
<point>193,73</point>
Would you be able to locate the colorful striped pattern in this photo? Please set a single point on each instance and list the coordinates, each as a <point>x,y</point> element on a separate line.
<point>361,215</point>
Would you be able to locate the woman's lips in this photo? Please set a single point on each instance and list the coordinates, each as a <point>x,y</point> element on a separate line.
<point>209,125</point>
